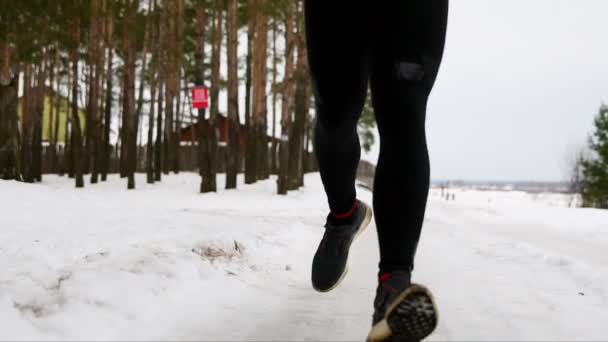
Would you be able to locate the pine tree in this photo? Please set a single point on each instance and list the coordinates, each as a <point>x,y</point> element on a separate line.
<point>595,170</point>
<point>153,88</point>
<point>76,134</point>
<point>259,76</point>
<point>250,165</point>
<point>106,149</point>
<point>301,106</point>
<point>199,80</point>
<point>129,109</point>
<point>214,91</point>
<point>287,95</point>
<point>9,141</point>
<point>233,96</point>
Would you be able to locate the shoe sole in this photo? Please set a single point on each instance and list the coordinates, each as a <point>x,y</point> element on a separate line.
<point>413,316</point>
<point>366,221</point>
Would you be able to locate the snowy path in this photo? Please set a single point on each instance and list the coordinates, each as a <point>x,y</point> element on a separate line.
<point>164,262</point>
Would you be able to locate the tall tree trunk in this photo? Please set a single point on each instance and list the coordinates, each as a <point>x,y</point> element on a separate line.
<point>168,134</point>
<point>100,94</point>
<point>88,132</point>
<point>233,97</point>
<point>68,151</point>
<point>172,72</point>
<point>150,143</point>
<point>118,149</point>
<point>250,167</point>
<point>259,108</point>
<point>216,45</point>
<point>123,139</point>
<point>169,88</point>
<point>179,42</point>
<point>160,69</point>
<point>76,140</point>
<point>107,146</point>
<point>178,123</point>
<point>142,83</point>
<point>92,128</point>
<point>203,155</point>
<point>158,144</point>
<point>301,110</point>
<point>59,163</point>
<point>130,114</point>
<point>53,116</point>
<point>153,84</point>
<point>286,98</point>
<point>90,82</point>
<point>273,162</point>
<point>26,125</point>
<point>9,140</point>
<point>38,106</point>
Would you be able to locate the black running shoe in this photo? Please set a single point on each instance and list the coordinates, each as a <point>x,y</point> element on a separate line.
<point>329,264</point>
<point>403,312</point>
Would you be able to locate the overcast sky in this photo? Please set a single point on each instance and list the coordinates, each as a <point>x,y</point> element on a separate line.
<point>519,86</point>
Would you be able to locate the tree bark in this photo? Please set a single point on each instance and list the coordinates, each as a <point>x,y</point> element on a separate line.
<point>168,133</point>
<point>59,163</point>
<point>154,80</point>
<point>273,161</point>
<point>178,124</point>
<point>158,144</point>
<point>180,73</point>
<point>142,83</point>
<point>53,116</point>
<point>9,139</point>
<point>76,140</point>
<point>160,69</point>
<point>168,69</point>
<point>100,94</point>
<point>259,108</point>
<point>286,96</point>
<point>233,97</point>
<point>301,110</point>
<point>68,152</point>
<point>107,146</point>
<point>216,45</point>
<point>250,167</point>
<point>38,108</point>
<point>199,55</point>
<point>26,125</point>
<point>92,128</point>
<point>123,139</point>
<point>130,114</point>
<point>257,135</point>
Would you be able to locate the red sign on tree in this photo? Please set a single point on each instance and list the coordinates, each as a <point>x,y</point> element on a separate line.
<point>200,97</point>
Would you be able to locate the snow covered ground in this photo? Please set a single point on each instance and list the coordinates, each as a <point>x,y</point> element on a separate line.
<point>164,262</point>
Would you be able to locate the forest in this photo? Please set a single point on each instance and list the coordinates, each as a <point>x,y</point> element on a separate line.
<point>94,87</point>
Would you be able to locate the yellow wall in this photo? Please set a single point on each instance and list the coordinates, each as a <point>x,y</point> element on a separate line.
<point>46,118</point>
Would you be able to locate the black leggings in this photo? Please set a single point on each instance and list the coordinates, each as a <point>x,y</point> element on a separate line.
<point>396,47</point>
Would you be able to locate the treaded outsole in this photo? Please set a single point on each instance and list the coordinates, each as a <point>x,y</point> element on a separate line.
<point>411,317</point>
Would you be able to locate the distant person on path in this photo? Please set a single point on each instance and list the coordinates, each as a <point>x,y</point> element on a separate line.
<point>395,48</point>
